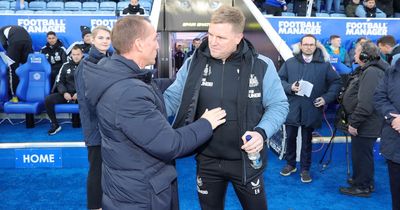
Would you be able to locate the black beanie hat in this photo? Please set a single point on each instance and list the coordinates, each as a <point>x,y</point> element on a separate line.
<point>85,30</point>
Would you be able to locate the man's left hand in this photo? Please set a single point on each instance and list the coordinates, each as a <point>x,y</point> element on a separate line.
<point>256,144</point>
<point>319,102</point>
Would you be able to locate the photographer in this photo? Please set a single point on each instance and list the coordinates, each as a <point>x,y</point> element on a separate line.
<point>364,124</point>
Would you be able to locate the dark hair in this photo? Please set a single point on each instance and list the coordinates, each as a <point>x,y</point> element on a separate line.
<point>333,37</point>
<point>308,35</point>
<point>369,51</point>
<point>387,40</point>
<point>76,47</point>
<point>51,33</point>
<point>196,39</point>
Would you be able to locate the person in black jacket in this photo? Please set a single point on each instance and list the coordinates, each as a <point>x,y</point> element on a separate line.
<point>364,123</point>
<point>138,144</point>
<point>387,102</point>
<point>389,48</point>
<point>55,54</point>
<point>226,71</point>
<point>85,44</point>
<point>310,64</point>
<point>133,9</point>
<point>101,40</point>
<point>66,89</point>
<point>17,42</point>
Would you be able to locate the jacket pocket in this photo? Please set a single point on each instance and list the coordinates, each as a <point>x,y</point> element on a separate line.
<point>162,186</point>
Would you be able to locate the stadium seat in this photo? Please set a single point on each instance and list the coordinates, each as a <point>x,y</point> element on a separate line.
<point>37,5</point>
<point>73,6</point>
<point>90,6</point>
<point>108,6</point>
<point>146,5</point>
<point>122,5</point>
<point>4,5</point>
<point>12,5</point>
<point>105,12</point>
<point>25,11</point>
<point>55,5</point>
<point>319,14</point>
<point>33,87</point>
<point>288,14</point>
<point>69,108</point>
<point>3,84</point>
<point>338,15</point>
<point>8,11</point>
<point>44,12</point>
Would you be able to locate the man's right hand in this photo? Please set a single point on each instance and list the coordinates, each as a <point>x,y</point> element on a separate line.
<point>67,96</point>
<point>215,116</point>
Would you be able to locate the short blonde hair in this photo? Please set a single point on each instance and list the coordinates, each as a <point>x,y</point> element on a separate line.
<point>100,28</point>
<point>126,30</point>
<point>230,15</point>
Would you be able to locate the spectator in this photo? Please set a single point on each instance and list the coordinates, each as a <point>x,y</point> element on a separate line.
<point>336,6</point>
<point>386,6</point>
<point>275,7</point>
<point>101,41</point>
<point>387,103</point>
<point>351,8</point>
<point>17,43</point>
<point>227,71</point>
<point>364,123</point>
<point>195,44</point>
<point>66,92</point>
<point>368,9</point>
<point>179,57</point>
<point>55,54</point>
<point>133,9</point>
<point>334,48</point>
<point>300,8</point>
<point>389,48</point>
<point>85,44</point>
<point>139,145</point>
<point>309,65</point>
<point>396,7</point>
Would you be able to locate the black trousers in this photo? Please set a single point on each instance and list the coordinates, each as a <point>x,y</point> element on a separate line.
<point>213,176</point>
<point>362,157</point>
<point>394,176</point>
<point>18,51</point>
<point>94,192</point>
<point>50,102</point>
<point>306,146</point>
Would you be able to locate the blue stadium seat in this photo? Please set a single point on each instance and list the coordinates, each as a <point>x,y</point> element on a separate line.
<point>103,12</point>
<point>338,15</point>
<point>37,5</point>
<point>73,6</point>
<point>25,11</point>
<point>55,5</point>
<point>108,6</point>
<point>4,5</point>
<point>90,6</point>
<point>44,12</point>
<point>122,5</point>
<point>69,108</point>
<point>146,5</point>
<point>288,14</point>
<point>321,14</point>
<point>3,83</point>
<point>8,11</point>
<point>12,5</point>
<point>33,87</point>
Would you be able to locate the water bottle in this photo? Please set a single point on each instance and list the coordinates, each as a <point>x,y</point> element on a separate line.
<point>255,157</point>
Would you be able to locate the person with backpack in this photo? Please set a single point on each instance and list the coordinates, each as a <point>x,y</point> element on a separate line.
<point>363,122</point>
